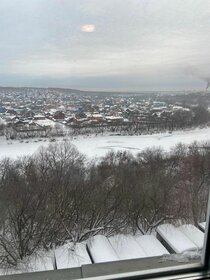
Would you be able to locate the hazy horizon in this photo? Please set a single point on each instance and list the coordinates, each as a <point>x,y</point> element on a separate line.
<point>109,90</point>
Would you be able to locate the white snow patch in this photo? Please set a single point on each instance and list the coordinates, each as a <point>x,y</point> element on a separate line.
<point>194,234</point>
<point>151,245</point>
<point>98,146</point>
<point>202,226</point>
<point>101,250</point>
<point>183,258</point>
<point>41,261</point>
<point>46,122</point>
<point>178,241</point>
<point>2,121</point>
<point>127,247</point>
<point>71,255</point>
<point>17,148</point>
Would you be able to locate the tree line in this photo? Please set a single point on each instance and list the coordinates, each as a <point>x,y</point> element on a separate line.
<point>57,195</point>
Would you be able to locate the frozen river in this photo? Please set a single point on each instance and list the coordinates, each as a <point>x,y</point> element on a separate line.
<point>97,146</point>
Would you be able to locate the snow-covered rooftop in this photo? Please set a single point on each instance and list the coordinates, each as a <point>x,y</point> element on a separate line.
<point>71,255</point>
<point>127,247</point>
<point>194,234</point>
<point>177,240</point>
<point>151,246</point>
<point>184,240</point>
<point>101,250</point>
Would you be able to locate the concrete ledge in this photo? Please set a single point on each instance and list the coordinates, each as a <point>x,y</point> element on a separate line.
<point>62,274</point>
<point>102,269</point>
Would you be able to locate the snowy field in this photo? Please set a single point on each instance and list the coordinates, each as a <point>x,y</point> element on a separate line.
<point>97,146</point>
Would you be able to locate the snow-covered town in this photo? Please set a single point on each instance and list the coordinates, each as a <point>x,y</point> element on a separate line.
<point>32,112</point>
<point>56,144</point>
<point>99,122</point>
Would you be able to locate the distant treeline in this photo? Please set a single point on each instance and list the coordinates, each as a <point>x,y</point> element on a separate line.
<point>57,195</point>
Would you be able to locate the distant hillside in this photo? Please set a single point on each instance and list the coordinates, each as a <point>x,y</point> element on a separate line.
<point>85,92</point>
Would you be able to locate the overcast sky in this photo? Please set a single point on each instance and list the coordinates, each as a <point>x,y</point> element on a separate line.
<point>105,44</point>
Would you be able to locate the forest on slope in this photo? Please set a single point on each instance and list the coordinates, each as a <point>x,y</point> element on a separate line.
<point>57,195</point>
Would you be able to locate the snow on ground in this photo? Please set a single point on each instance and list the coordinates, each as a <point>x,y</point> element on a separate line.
<point>97,146</point>
<point>16,148</point>
<point>177,240</point>
<point>194,234</point>
<point>42,261</point>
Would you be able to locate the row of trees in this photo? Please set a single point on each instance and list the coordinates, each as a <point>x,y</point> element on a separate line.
<point>57,195</point>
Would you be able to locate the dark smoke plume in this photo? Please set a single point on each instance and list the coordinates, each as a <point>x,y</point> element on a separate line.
<point>208,85</point>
